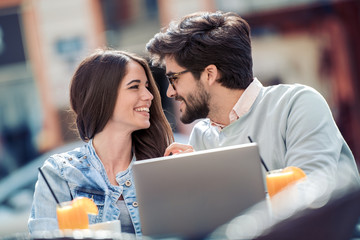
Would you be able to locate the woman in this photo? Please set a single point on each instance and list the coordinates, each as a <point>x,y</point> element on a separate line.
<point>119,116</point>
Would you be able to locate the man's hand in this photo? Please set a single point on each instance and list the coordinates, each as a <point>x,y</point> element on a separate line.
<point>176,148</point>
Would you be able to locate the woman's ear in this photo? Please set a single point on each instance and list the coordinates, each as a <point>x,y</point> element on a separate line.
<point>212,74</point>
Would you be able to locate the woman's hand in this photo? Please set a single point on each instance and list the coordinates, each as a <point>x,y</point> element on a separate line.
<point>177,148</point>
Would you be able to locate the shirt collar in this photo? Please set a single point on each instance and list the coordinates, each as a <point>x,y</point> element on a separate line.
<point>243,105</point>
<point>93,156</point>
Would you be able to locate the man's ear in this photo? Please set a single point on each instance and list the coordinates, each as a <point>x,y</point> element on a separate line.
<point>212,74</point>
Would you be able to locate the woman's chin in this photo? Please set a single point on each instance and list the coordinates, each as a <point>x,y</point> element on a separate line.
<point>146,125</point>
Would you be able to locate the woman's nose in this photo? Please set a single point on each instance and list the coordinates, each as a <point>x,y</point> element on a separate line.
<point>148,95</point>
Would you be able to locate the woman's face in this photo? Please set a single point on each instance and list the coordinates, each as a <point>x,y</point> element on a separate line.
<point>133,102</point>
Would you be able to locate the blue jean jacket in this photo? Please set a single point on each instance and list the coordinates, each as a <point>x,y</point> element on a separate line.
<point>80,173</point>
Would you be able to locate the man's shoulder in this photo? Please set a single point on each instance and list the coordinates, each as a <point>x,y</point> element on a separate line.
<point>289,88</point>
<point>199,129</point>
<point>289,91</point>
<point>202,125</point>
<point>201,134</point>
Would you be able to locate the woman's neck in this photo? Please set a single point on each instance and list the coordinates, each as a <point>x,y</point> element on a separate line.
<point>114,150</point>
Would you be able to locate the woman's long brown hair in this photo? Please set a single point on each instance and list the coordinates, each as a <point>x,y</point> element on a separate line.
<point>93,93</point>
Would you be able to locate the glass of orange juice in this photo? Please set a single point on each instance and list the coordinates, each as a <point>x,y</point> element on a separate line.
<point>277,180</point>
<point>74,214</point>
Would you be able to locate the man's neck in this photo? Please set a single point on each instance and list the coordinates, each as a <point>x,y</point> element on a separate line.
<point>221,104</point>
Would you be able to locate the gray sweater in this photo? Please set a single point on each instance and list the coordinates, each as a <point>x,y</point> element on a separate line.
<point>293,126</point>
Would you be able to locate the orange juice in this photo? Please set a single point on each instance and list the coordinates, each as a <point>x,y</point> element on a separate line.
<point>71,217</point>
<point>74,214</point>
<point>277,180</point>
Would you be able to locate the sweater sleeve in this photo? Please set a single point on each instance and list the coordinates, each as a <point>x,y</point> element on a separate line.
<point>312,139</point>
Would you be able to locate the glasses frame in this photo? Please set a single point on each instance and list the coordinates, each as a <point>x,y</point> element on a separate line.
<point>173,77</point>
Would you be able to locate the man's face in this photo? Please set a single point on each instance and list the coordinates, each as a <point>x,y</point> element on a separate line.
<point>190,92</point>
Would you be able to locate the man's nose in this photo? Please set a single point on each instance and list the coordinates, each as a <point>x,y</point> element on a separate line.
<point>171,92</point>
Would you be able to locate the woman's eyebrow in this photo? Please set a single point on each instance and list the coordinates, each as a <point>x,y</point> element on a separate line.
<point>132,81</point>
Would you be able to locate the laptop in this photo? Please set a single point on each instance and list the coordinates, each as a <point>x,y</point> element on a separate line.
<point>189,195</point>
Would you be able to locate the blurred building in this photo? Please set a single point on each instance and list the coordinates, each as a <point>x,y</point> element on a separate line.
<point>40,44</point>
<point>315,44</point>
<point>42,41</point>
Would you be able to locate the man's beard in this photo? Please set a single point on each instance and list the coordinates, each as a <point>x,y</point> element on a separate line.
<point>197,105</point>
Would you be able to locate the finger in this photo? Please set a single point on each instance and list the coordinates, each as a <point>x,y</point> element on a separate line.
<point>176,148</point>
<point>170,150</point>
<point>188,150</point>
<point>178,151</point>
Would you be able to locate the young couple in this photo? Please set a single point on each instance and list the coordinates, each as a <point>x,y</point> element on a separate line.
<point>208,62</point>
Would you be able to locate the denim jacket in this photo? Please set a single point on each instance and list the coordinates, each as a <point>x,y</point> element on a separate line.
<point>80,173</point>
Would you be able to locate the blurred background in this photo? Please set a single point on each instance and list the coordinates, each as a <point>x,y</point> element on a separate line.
<point>313,42</point>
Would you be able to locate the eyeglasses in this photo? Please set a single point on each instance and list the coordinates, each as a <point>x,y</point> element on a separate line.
<point>174,76</point>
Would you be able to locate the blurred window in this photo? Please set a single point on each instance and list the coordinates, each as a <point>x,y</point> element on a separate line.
<point>19,103</point>
<point>11,46</point>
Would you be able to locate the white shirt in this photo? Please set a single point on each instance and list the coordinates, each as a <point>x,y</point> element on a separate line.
<point>244,103</point>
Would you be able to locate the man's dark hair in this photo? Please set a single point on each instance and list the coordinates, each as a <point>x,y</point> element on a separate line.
<point>204,38</point>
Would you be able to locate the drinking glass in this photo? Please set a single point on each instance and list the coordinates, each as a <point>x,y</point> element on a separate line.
<point>71,216</point>
<point>277,180</point>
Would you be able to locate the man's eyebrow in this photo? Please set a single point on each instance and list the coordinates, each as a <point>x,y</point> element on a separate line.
<point>132,81</point>
<point>169,73</point>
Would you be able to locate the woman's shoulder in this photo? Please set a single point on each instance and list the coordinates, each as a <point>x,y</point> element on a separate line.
<point>61,158</point>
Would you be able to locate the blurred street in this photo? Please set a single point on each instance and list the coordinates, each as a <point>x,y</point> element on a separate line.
<point>312,42</point>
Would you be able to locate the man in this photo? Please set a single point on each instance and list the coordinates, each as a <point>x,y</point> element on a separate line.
<point>209,66</point>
